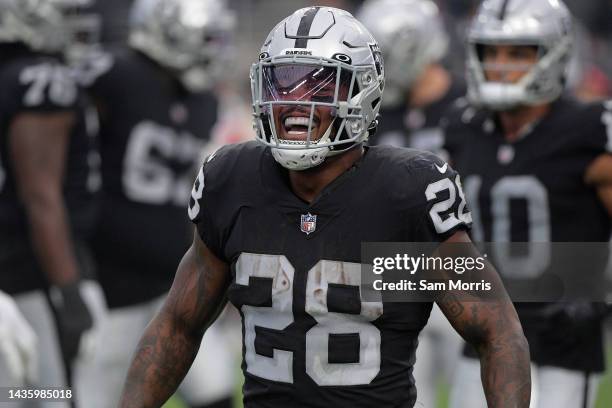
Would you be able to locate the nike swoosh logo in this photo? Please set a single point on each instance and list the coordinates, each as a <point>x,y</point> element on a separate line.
<point>443,168</point>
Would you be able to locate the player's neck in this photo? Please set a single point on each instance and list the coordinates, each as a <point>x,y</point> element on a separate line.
<point>430,87</point>
<point>308,184</point>
<point>516,122</point>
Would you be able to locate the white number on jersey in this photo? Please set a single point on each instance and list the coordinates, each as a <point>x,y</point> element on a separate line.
<point>196,194</point>
<point>509,188</point>
<point>279,367</point>
<point>50,79</point>
<point>147,178</point>
<point>440,209</point>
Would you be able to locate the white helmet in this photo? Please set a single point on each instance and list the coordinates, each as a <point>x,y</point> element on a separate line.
<point>43,25</point>
<point>411,36</point>
<point>190,37</point>
<point>546,24</point>
<point>318,50</point>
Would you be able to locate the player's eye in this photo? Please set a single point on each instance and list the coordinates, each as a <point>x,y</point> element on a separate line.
<point>324,95</point>
<point>488,52</point>
<point>523,53</point>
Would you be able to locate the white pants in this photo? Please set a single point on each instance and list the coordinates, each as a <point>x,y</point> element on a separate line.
<point>99,384</point>
<point>436,357</point>
<point>550,387</point>
<point>51,371</point>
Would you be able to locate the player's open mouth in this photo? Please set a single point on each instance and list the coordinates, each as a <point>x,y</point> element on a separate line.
<point>296,127</point>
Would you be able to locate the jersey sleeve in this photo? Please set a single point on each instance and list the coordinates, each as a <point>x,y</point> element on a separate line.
<point>441,208</point>
<point>42,85</point>
<point>211,202</point>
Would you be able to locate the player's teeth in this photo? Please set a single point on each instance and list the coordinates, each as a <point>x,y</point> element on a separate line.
<point>296,121</point>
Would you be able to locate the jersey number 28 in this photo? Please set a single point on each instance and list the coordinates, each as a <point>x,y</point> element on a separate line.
<point>343,320</point>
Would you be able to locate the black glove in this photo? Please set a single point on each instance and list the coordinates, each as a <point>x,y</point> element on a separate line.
<point>72,316</point>
<point>568,322</point>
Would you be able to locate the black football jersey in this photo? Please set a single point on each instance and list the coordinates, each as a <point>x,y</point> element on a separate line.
<point>533,190</point>
<point>418,128</point>
<point>309,339</point>
<point>152,134</point>
<point>33,83</point>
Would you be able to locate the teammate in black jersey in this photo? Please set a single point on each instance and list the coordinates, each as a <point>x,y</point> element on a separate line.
<point>279,229</point>
<point>157,110</point>
<point>418,89</point>
<point>47,185</point>
<point>536,167</point>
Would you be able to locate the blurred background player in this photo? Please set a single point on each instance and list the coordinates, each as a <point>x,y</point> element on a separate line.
<point>48,181</point>
<point>157,110</point>
<point>418,89</point>
<point>536,168</point>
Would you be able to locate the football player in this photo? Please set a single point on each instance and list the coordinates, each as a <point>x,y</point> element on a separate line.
<point>156,113</point>
<point>280,223</point>
<point>48,181</point>
<point>537,169</point>
<point>418,89</point>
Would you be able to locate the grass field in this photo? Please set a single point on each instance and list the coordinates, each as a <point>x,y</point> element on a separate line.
<point>604,398</point>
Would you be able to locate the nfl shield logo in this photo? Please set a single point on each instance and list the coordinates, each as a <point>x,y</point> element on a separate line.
<point>308,223</point>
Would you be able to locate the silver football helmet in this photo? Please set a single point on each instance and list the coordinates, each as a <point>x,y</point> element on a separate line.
<point>546,24</point>
<point>190,37</point>
<point>318,60</point>
<point>411,36</point>
<point>42,25</point>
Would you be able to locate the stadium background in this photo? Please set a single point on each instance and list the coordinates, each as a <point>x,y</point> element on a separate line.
<point>590,75</point>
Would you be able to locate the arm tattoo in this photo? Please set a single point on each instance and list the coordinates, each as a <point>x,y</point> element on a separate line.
<point>492,327</point>
<point>494,330</point>
<point>172,339</point>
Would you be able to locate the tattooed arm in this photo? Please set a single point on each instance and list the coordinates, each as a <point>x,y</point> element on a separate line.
<point>172,339</point>
<point>492,327</point>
